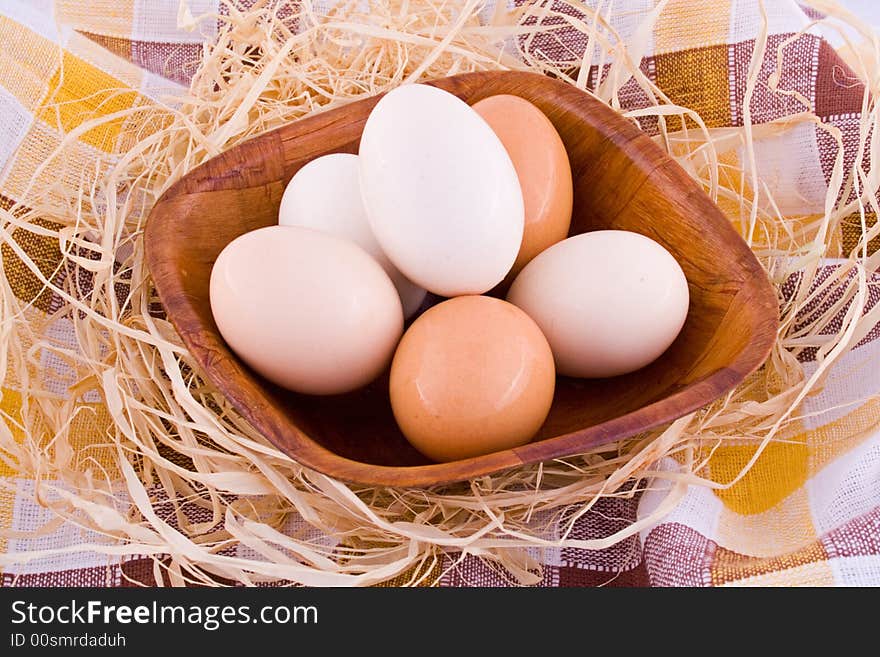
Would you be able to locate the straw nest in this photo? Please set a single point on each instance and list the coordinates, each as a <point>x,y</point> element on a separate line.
<point>177,472</point>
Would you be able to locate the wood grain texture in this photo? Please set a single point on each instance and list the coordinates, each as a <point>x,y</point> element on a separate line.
<point>621,179</point>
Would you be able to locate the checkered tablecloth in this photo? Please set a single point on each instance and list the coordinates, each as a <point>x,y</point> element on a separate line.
<point>807,512</point>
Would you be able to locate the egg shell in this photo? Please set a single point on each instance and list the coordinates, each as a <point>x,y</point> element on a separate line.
<point>441,194</point>
<point>609,302</point>
<point>472,375</point>
<point>325,195</point>
<point>541,162</point>
<point>306,310</point>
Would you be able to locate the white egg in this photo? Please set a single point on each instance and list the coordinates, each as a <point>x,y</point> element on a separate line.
<point>440,191</point>
<point>609,301</point>
<point>325,195</point>
<point>305,309</point>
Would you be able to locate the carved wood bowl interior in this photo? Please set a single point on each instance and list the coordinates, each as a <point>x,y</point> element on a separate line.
<point>622,180</point>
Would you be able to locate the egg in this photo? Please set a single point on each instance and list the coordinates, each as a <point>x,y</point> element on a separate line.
<point>440,191</point>
<point>306,310</point>
<point>472,375</point>
<point>609,301</point>
<point>325,195</point>
<point>543,169</point>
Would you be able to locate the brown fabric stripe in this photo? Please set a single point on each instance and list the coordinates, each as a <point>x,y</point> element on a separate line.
<point>45,253</point>
<point>286,10</point>
<point>7,203</point>
<point>729,566</point>
<point>562,43</point>
<point>80,281</point>
<point>676,555</point>
<point>472,571</point>
<point>97,576</point>
<point>838,88</point>
<point>175,61</point>
<point>799,64</point>
<point>116,45</point>
<point>608,516</point>
<point>631,95</point>
<point>140,572</point>
<point>819,305</point>
<point>426,574</point>
<point>857,538</point>
<point>137,572</point>
<point>811,13</point>
<point>851,232</point>
<point>579,577</point>
<point>849,126</point>
<point>697,79</point>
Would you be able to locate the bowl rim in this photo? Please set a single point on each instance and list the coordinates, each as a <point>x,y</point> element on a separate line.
<point>277,429</point>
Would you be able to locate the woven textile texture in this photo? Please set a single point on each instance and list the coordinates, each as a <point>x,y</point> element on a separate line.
<point>806,513</point>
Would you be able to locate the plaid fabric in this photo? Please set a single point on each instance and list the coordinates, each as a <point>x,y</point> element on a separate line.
<point>808,512</point>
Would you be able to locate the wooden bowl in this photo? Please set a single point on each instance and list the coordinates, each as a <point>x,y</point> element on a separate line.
<point>621,180</point>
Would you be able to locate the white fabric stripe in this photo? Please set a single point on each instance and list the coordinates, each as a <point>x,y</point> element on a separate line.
<point>856,571</point>
<point>16,121</point>
<point>162,90</point>
<point>28,516</point>
<point>156,20</point>
<point>37,15</point>
<point>56,374</point>
<point>789,164</point>
<point>699,509</point>
<point>846,488</point>
<point>783,16</point>
<point>853,378</point>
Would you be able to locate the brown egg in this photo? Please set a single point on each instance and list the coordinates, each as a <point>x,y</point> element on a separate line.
<point>472,375</point>
<point>541,163</point>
